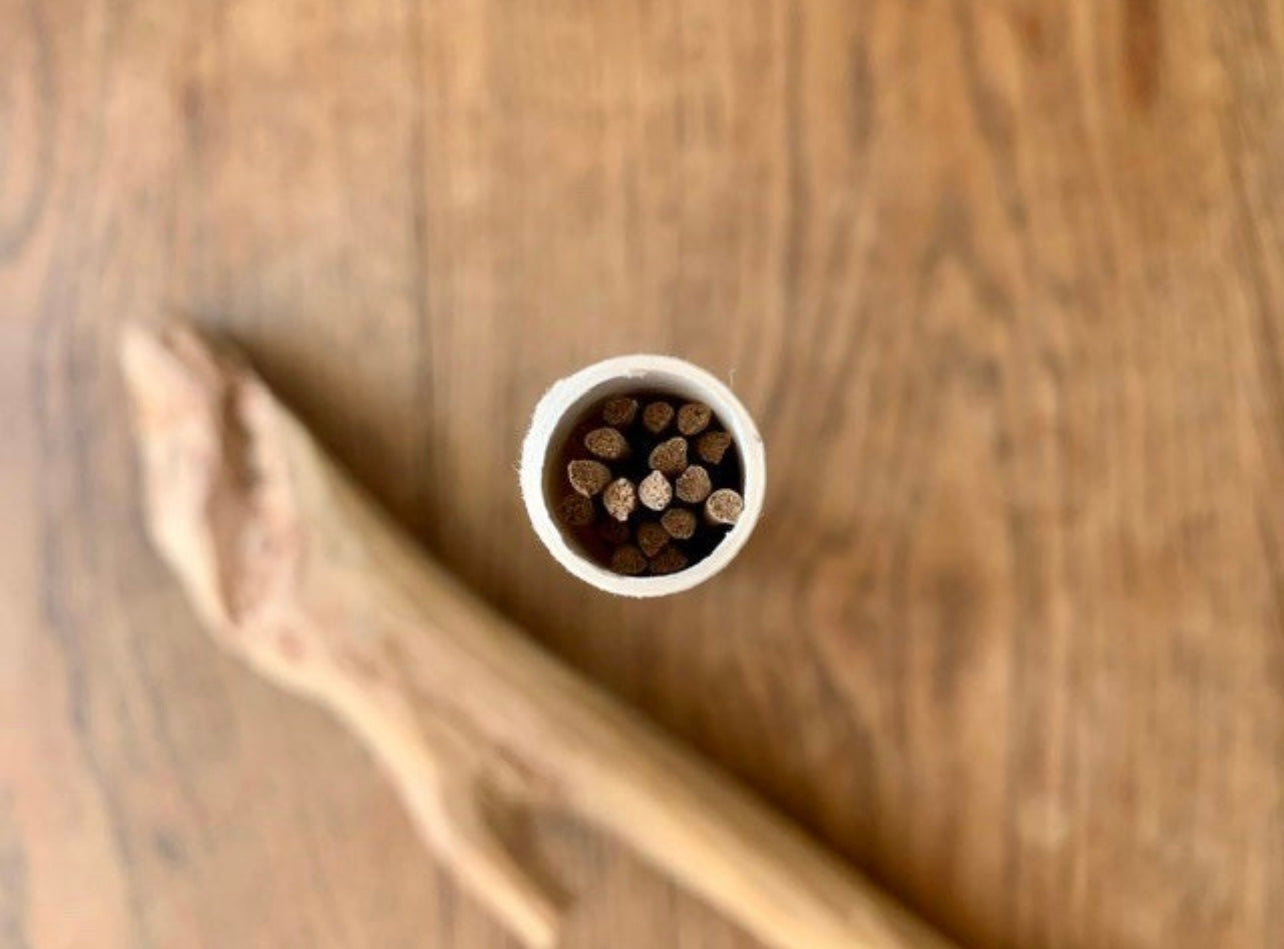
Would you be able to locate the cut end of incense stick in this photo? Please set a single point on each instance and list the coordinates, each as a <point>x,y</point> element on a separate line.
<point>656,417</point>
<point>652,538</point>
<point>669,560</point>
<point>628,560</point>
<point>670,457</point>
<point>679,523</point>
<point>712,446</point>
<point>588,477</point>
<point>655,492</point>
<point>694,418</point>
<point>576,510</point>
<point>724,506</point>
<point>620,411</point>
<point>607,443</point>
<point>620,499</point>
<point>693,485</point>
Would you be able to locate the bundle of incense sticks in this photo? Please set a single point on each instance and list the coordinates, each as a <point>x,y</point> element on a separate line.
<point>652,484</point>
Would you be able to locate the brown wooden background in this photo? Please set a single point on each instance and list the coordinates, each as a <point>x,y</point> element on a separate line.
<point>1002,280</point>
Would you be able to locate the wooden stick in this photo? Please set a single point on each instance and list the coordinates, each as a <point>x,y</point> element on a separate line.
<point>295,570</point>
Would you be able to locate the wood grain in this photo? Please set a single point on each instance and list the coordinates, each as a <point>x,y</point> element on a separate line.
<point>1017,267</point>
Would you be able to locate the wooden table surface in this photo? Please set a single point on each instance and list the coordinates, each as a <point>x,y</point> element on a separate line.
<point>1002,281</point>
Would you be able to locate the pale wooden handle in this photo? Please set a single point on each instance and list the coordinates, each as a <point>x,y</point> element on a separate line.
<point>293,568</point>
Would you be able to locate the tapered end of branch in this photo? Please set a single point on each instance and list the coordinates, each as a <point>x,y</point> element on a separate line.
<point>215,498</point>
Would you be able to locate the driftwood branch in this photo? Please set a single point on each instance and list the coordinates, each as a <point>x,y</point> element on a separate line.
<point>295,570</point>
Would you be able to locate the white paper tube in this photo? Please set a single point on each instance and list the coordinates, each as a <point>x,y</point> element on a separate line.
<point>564,405</point>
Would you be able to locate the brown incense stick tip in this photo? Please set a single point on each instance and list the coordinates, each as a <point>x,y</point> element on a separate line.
<point>655,491</point>
<point>620,499</point>
<point>724,506</point>
<point>620,411</point>
<point>670,456</point>
<point>678,522</point>
<point>613,532</point>
<point>588,477</point>
<point>694,418</point>
<point>693,485</point>
<point>606,443</point>
<point>657,416</point>
<point>669,560</point>
<point>628,560</point>
<point>575,510</point>
<point>652,538</point>
<point>712,446</point>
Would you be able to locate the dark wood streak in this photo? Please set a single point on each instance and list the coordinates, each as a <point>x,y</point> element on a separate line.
<point>1142,51</point>
<point>17,227</point>
<point>864,95</point>
<point>859,819</point>
<point>798,211</point>
<point>1272,548</point>
<point>69,626</point>
<point>169,847</point>
<point>14,933</point>
<point>1253,261</point>
<point>833,410</point>
<point>994,115</point>
<point>417,158</point>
